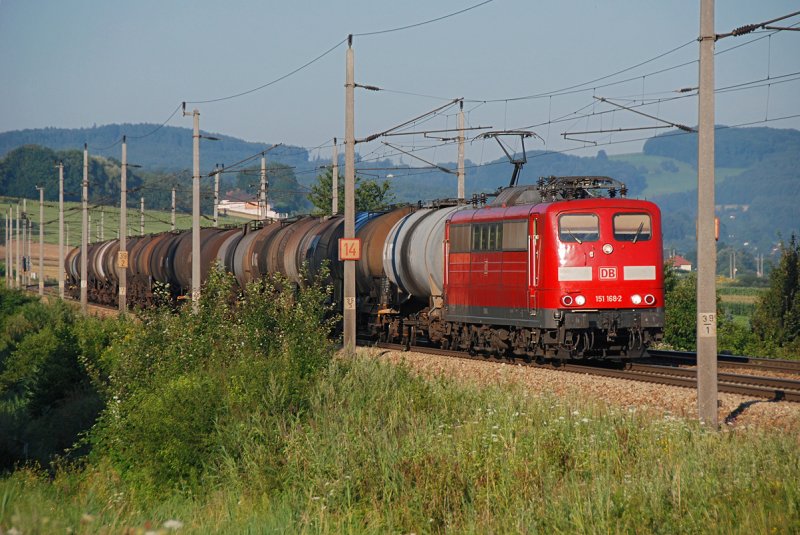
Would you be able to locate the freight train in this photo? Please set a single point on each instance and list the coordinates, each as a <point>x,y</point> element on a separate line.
<point>566,268</point>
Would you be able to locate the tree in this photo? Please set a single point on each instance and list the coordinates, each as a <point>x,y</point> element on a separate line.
<point>777,315</point>
<point>283,191</point>
<point>370,195</point>
<point>680,296</point>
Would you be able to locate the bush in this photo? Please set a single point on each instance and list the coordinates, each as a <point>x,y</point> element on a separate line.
<point>46,395</point>
<point>182,387</point>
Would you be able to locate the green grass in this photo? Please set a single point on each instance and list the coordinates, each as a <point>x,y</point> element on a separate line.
<point>741,291</point>
<point>382,450</point>
<point>661,181</point>
<point>155,220</point>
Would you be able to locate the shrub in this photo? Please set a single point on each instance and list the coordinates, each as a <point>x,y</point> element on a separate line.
<point>183,387</point>
<point>46,395</point>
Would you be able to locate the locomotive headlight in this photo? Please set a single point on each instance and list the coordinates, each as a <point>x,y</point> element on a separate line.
<point>567,300</point>
<point>636,299</point>
<point>608,248</point>
<point>649,299</point>
<point>580,300</point>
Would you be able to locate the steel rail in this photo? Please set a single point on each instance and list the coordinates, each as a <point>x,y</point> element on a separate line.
<point>746,385</point>
<point>731,361</point>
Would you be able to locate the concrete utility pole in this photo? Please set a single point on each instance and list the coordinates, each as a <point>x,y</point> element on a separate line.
<point>29,224</point>
<point>10,247</point>
<point>335,180</point>
<point>461,153</point>
<point>217,171</point>
<point>262,190</point>
<point>141,216</point>
<point>122,255</point>
<point>17,275</point>
<point>195,210</point>
<point>41,240</point>
<point>172,219</point>
<point>85,231</point>
<point>196,205</point>
<point>102,223</point>
<point>8,251</point>
<point>349,201</point>
<point>25,254</point>
<point>61,230</point>
<point>706,246</point>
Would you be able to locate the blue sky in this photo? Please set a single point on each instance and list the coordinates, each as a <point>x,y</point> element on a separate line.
<point>79,63</point>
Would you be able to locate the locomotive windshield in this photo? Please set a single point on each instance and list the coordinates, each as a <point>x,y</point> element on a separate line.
<point>631,227</point>
<point>578,228</point>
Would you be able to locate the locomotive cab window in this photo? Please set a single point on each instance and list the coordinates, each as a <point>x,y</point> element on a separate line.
<point>578,228</point>
<point>632,227</point>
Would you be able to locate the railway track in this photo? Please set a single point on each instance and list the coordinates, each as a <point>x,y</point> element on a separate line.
<point>686,358</point>
<point>774,388</point>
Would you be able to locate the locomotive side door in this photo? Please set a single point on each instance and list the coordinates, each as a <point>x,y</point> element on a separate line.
<point>534,265</point>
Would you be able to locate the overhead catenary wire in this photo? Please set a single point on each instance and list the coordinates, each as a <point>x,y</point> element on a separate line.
<point>423,23</point>
<point>271,82</point>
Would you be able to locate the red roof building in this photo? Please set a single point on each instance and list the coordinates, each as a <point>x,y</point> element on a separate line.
<point>680,263</point>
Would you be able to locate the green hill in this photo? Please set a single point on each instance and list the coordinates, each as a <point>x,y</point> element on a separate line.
<point>168,148</point>
<point>663,174</point>
<point>757,177</point>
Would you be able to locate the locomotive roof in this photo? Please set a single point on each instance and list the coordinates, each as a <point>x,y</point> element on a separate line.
<point>494,212</point>
<point>555,188</point>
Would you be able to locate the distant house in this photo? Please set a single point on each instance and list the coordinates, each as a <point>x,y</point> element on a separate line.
<point>680,263</point>
<point>247,210</point>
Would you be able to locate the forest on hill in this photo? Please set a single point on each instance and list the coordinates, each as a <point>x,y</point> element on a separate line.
<point>29,166</point>
<point>154,147</point>
<point>758,187</point>
<point>757,204</point>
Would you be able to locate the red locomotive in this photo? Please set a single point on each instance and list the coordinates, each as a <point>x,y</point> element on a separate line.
<point>568,268</point>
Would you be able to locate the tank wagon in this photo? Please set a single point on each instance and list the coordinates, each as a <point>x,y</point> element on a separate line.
<point>566,268</point>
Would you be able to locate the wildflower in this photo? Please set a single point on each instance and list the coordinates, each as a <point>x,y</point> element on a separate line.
<point>173,525</point>
<point>575,413</point>
<point>585,420</point>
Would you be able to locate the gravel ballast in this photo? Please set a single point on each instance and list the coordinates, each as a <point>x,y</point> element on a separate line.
<point>734,411</point>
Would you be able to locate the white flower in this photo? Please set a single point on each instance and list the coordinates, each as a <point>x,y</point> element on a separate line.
<point>173,525</point>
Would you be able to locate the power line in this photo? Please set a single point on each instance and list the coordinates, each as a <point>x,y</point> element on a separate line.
<point>415,25</point>
<point>159,127</point>
<point>276,80</point>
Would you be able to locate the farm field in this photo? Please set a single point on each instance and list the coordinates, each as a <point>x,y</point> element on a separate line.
<point>154,221</point>
<point>667,175</point>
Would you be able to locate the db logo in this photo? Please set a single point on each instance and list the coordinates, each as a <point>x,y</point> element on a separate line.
<point>608,273</point>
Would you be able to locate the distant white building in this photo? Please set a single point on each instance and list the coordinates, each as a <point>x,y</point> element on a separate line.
<point>680,263</point>
<point>247,209</point>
